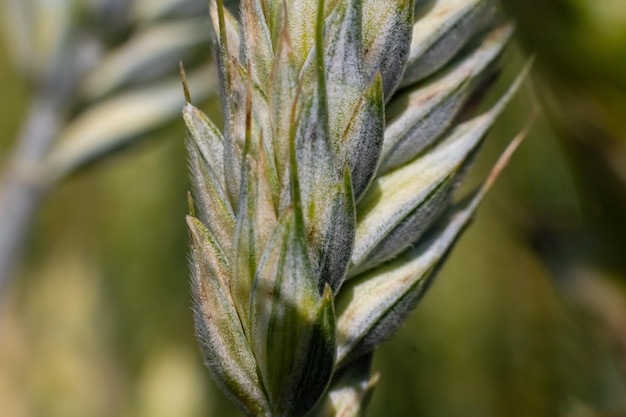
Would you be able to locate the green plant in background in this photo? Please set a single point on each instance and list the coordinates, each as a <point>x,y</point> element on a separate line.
<point>582,77</point>
<point>325,208</point>
<point>101,75</point>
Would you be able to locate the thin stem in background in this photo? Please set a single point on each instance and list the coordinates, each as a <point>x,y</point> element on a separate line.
<point>23,187</point>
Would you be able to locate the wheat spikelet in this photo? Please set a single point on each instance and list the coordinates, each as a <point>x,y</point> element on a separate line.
<point>324,209</point>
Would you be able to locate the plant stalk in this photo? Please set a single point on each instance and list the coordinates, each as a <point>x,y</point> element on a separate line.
<point>22,186</point>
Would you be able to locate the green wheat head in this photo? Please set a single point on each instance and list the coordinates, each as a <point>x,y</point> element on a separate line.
<point>324,209</point>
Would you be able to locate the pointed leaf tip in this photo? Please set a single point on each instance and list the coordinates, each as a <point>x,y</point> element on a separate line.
<point>190,208</point>
<point>183,77</point>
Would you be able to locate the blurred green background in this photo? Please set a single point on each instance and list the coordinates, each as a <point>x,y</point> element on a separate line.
<point>528,318</point>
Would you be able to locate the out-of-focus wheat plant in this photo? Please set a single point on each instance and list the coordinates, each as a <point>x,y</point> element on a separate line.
<point>101,74</point>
